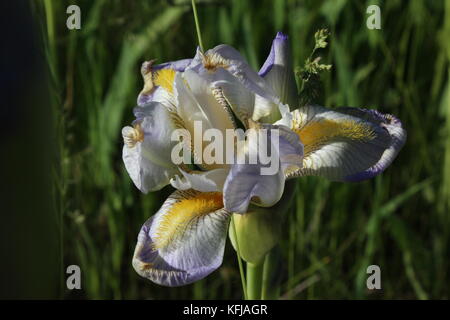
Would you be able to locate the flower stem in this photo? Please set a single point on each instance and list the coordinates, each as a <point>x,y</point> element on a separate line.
<point>197,26</point>
<point>270,286</point>
<point>254,280</point>
<point>241,268</point>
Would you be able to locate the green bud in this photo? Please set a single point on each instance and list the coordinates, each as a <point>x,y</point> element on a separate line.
<point>259,230</point>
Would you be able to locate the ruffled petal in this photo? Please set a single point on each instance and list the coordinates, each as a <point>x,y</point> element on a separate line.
<point>278,72</point>
<point>239,67</point>
<point>263,184</point>
<point>218,116</point>
<point>184,241</point>
<point>187,106</point>
<point>245,183</point>
<point>230,92</point>
<point>178,65</point>
<point>147,148</point>
<point>290,147</point>
<point>216,66</point>
<point>396,132</point>
<point>204,181</point>
<point>159,81</point>
<point>203,116</point>
<point>346,144</point>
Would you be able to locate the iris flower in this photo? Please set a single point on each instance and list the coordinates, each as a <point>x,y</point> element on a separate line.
<point>185,240</point>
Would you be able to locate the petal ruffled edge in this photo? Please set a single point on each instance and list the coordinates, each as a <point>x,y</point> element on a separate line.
<point>278,72</point>
<point>204,181</point>
<point>280,39</point>
<point>395,129</point>
<point>184,241</point>
<point>346,144</point>
<point>253,182</point>
<point>147,148</point>
<point>151,90</point>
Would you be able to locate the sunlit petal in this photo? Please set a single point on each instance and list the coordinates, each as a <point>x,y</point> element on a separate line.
<point>247,183</point>
<point>239,67</point>
<point>346,144</point>
<point>187,106</point>
<point>178,65</point>
<point>147,148</point>
<point>184,241</point>
<point>236,96</point>
<point>290,147</point>
<point>158,81</point>
<point>218,63</point>
<point>204,181</point>
<point>202,90</point>
<point>278,71</point>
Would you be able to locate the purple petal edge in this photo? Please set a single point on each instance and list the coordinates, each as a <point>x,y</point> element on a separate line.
<point>397,143</point>
<point>268,64</point>
<point>169,275</point>
<point>178,65</point>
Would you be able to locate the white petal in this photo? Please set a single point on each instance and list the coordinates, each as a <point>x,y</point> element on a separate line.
<point>184,241</point>
<point>347,144</point>
<point>249,183</point>
<point>239,67</point>
<point>217,116</point>
<point>266,110</point>
<point>187,106</point>
<point>207,181</point>
<point>278,71</point>
<point>229,60</point>
<point>240,99</point>
<point>148,160</point>
<point>245,184</point>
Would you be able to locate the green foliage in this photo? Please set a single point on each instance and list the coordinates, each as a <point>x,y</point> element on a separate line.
<point>333,231</point>
<point>311,87</point>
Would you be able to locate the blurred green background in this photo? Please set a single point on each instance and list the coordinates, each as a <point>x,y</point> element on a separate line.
<point>399,220</point>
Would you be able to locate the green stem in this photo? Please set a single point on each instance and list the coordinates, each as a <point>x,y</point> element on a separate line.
<point>238,253</point>
<point>48,6</point>
<point>270,285</point>
<point>254,280</point>
<point>197,26</point>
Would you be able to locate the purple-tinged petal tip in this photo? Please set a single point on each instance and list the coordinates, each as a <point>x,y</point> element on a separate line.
<point>282,36</point>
